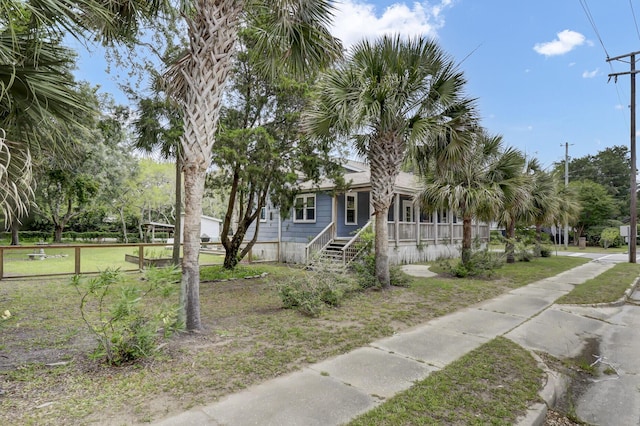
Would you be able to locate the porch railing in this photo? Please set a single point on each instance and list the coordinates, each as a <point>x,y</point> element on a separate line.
<point>321,241</point>
<point>355,246</point>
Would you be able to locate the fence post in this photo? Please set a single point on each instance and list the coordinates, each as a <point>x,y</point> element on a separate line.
<point>1,263</point>
<point>77,259</point>
<point>141,257</point>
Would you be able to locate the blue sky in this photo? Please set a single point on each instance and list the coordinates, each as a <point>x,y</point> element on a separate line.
<point>538,68</point>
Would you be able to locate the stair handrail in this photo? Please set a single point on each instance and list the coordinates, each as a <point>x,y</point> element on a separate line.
<point>319,242</point>
<point>356,239</point>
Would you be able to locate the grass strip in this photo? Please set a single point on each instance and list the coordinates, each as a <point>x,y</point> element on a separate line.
<point>606,287</point>
<point>247,338</point>
<point>493,384</point>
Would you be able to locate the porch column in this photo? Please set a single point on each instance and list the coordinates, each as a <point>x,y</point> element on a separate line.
<point>396,217</point>
<point>450,213</point>
<point>418,217</point>
<point>334,214</point>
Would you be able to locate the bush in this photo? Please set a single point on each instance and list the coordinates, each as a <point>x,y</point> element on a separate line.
<point>124,330</point>
<point>610,237</point>
<point>523,252</point>
<point>546,251</point>
<point>365,269</point>
<point>482,263</point>
<point>318,288</point>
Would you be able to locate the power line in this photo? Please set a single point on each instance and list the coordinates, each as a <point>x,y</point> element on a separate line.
<point>587,12</point>
<point>633,13</point>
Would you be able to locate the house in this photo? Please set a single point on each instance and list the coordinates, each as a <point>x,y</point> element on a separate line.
<point>321,220</point>
<point>209,228</point>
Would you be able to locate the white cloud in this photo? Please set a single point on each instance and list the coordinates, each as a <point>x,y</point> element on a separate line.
<point>619,107</point>
<point>567,40</point>
<point>590,74</point>
<point>356,19</point>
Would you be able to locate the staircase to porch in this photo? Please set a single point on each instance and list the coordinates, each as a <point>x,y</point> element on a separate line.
<point>334,251</point>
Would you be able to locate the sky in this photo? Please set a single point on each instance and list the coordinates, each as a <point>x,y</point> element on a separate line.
<point>538,69</point>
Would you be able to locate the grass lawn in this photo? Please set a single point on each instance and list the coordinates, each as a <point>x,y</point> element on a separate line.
<point>247,338</point>
<point>93,258</point>
<point>605,288</point>
<point>490,385</point>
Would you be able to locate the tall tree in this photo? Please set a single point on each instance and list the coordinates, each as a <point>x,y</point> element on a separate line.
<point>388,96</point>
<point>292,33</point>
<point>597,206</point>
<point>610,167</point>
<point>473,187</point>
<point>159,129</point>
<point>259,152</point>
<point>88,175</point>
<point>516,202</point>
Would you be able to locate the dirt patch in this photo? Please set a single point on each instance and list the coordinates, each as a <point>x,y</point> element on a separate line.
<point>579,374</point>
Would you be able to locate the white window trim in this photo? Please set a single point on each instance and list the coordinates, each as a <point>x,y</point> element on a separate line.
<point>405,204</point>
<point>305,197</point>
<point>263,214</point>
<point>355,208</point>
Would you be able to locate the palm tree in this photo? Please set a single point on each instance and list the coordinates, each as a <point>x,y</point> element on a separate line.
<point>545,200</point>
<point>389,96</point>
<point>516,202</point>
<point>293,33</point>
<point>473,186</point>
<point>36,84</point>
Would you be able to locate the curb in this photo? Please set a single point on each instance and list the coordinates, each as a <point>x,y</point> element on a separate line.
<point>554,387</point>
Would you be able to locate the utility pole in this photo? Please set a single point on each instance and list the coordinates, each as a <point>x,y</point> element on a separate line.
<point>566,184</point>
<point>633,230</point>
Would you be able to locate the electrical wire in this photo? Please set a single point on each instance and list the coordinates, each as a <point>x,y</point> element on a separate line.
<point>587,12</point>
<point>635,21</point>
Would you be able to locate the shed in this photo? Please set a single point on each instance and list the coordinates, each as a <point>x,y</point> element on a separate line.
<point>209,228</point>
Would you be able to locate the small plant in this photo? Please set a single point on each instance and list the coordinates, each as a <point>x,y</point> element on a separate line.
<point>523,252</point>
<point>546,251</point>
<point>315,290</point>
<point>125,329</point>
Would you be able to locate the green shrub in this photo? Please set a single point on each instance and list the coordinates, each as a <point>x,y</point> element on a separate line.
<point>482,263</point>
<point>546,251</point>
<point>365,269</point>
<point>125,330</point>
<point>318,288</point>
<point>610,237</point>
<point>523,252</point>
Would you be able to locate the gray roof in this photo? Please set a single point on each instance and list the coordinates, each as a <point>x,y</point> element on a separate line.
<point>358,176</point>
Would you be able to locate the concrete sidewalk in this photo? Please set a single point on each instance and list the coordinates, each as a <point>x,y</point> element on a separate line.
<point>336,390</point>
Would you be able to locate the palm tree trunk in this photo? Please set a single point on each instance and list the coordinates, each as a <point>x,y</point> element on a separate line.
<point>538,247</point>
<point>15,227</point>
<point>510,245</point>
<point>466,240</point>
<point>190,287</point>
<point>176,229</point>
<point>213,32</point>
<point>382,248</point>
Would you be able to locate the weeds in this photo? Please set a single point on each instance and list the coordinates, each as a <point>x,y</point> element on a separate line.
<point>310,293</point>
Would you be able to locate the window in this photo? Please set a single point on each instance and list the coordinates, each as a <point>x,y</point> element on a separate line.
<point>304,208</point>
<point>407,211</point>
<point>263,214</point>
<point>351,208</point>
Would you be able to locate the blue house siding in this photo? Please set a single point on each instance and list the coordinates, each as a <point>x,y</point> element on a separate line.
<point>304,232</point>
<point>268,230</point>
<point>344,230</point>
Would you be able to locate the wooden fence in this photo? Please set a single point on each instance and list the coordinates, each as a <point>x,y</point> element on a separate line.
<point>40,260</point>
